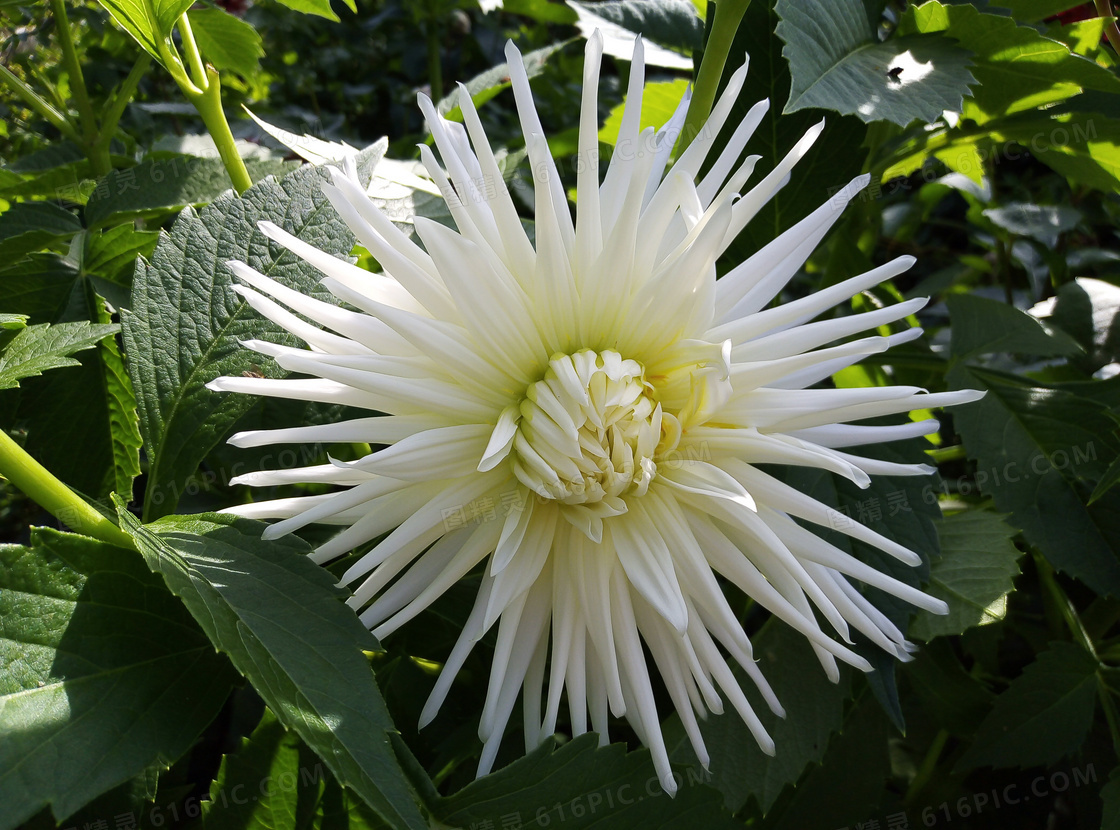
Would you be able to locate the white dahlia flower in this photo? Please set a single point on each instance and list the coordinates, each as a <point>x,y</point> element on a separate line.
<point>582,416</point>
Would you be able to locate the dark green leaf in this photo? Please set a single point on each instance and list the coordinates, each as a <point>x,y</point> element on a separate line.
<point>1089,310</point>
<point>580,786</point>
<point>825,169</point>
<point>275,781</point>
<point>29,226</point>
<point>281,620</point>
<point>1043,716</point>
<point>110,258</point>
<point>983,326</point>
<point>186,322</point>
<point>1044,223</point>
<point>672,23</point>
<point>1033,446</point>
<point>104,674</point>
<point>39,286</point>
<point>157,185</point>
<point>973,575</point>
<point>830,796</point>
<point>1083,147</point>
<point>124,425</point>
<point>485,86</point>
<point>951,698</point>
<point>36,349</point>
<point>837,62</point>
<point>814,710</point>
<point>226,41</point>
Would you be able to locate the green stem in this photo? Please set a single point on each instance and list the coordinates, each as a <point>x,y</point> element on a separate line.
<point>1064,605</point>
<point>435,69</point>
<point>86,115</point>
<point>56,498</point>
<point>728,15</point>
<point>1104,9</point>
<point>115,108</point>
<point>35,102</point>
<point>194,58</point>
<point>926,770</point>
<point>209,106</point>
<point>1110,715</point>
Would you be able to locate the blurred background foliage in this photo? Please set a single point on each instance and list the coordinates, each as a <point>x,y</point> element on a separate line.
<point>991,130</point>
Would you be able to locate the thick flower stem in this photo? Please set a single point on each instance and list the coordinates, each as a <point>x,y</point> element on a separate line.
<point>728,15</point>
<point>209,106</point>
<point>31,477</point>
<point>204,91</point>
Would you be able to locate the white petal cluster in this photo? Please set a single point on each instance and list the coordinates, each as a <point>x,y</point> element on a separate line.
<point>582,417</point>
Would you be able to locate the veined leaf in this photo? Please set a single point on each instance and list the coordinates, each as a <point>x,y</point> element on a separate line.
<point>1043,716</point>
<point>1017,67</point>
<point>581,786</point>
<point>147,28</point>
<point>186,322</point>
<point>29,226</point>
<point>36,349</point>
<point>319,8</point>
<point>1035,446</point>
<point>837,62</point>
<point>226,41</point>
<point>283,623</point>
<point>973,575</point>
<point>982,326</point>
<point>104,673</point>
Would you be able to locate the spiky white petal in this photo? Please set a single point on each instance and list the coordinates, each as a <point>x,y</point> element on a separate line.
<point>581,419</point>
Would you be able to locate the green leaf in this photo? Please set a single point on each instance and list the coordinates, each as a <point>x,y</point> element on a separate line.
<point>1034,447</point>
<point>104,674</point>
<point>29,226</point>
<point>124,424</point>
<point>133,16</point>
<point>13,322</point>
<point>110,257</point>
<point>485,86</point>
<point>1031,11</point>
<point>1088,310</point>
<point>226,41</point>
<point>580,786</point>
<point>825,169</point>
<point>837,62</point>
<point>186,322</point>
<point>1043,716</point>
<point>974,574</point>
<point>950,697</point>
<point>814,710</point>
<point>659,101</point>
<point>1083,147</point>
<point>982,326</point>
<point>40,286</point>
<point>542,10</point>
<point>274,780</point>
<point>830,796</point>
<point>1043,223</point>
<point>672,23</point>
<point>281,620</point>
<point>320,8</point>
<point>157,185</point>
<point>1017,67</point>
<point>1109,480</point>
<point>36,349</point>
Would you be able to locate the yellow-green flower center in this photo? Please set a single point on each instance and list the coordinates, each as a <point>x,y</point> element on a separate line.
<point>590,429</point>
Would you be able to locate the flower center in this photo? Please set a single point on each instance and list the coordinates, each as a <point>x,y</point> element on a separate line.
<point>589,431</point>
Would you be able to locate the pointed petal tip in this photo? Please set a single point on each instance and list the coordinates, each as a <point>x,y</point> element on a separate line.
<point>272,532</point>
